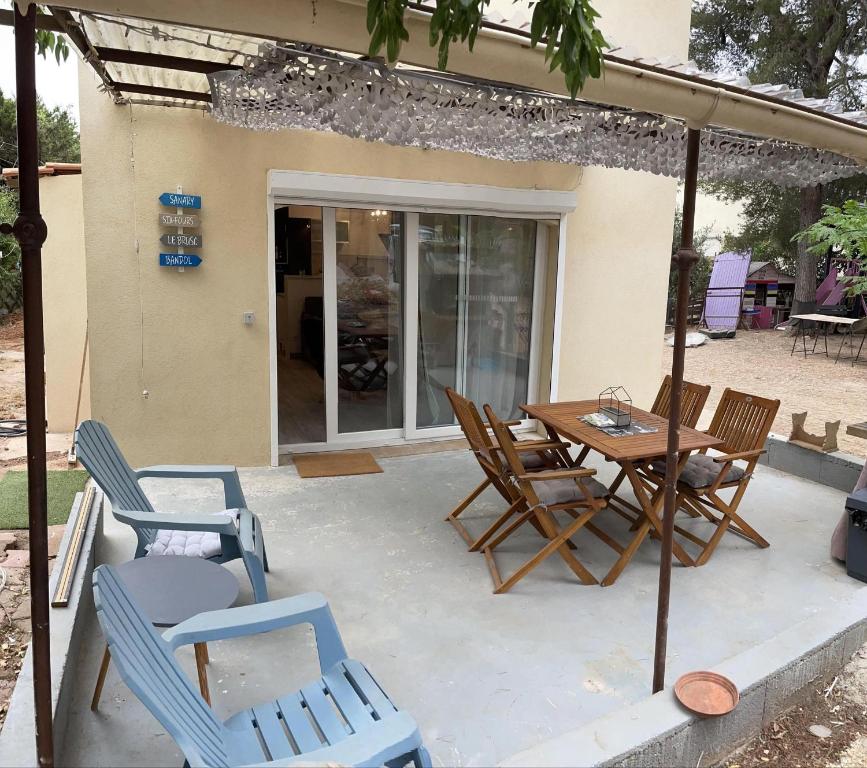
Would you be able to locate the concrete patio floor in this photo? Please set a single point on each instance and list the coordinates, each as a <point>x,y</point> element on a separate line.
<point>485,676</point>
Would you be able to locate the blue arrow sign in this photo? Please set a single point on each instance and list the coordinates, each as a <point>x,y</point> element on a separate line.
<point>177,200</point>
<point>180,260</point>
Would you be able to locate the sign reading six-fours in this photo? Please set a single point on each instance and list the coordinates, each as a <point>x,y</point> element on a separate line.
<point>180,260</point>
<point>179,220</point>
<point>182,240</point>
<point>178,200</point>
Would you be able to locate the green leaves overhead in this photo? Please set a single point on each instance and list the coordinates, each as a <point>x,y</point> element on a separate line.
<point>567,29</point>
<point>843,231</point>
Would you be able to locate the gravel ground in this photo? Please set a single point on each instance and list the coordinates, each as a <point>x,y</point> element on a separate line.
<point>759,362</point>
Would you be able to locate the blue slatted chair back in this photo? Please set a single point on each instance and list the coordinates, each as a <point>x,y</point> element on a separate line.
<point>102,458</point>
<point>147,665</point>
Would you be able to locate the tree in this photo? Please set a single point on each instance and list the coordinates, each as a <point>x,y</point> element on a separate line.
<point>842,230</point>
<point>815,45</point>
<point>56,131</point>
<point>567,28</point>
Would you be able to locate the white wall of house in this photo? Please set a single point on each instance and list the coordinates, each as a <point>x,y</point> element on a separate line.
<point>176,373</point>
<point>64,293</point>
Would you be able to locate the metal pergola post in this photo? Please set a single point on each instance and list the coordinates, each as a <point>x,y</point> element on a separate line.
<point>684,259</point>
<point>30,231</point>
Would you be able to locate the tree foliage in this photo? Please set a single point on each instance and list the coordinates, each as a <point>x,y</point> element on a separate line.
<point>567,28</point>
<point>57,134</point>
<point>842,230</point>
<point>818,46</point>
<point>699,276</point>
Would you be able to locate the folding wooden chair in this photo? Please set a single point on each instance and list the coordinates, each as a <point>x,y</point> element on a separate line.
<point>693,397</point>
<point>539,454</point>
<point>544,492</point>
<point>742,421</point>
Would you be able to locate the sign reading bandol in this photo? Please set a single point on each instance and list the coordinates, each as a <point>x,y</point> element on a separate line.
<point>180,239</point>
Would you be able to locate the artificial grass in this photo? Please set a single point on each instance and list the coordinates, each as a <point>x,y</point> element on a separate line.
<point>62,486</point>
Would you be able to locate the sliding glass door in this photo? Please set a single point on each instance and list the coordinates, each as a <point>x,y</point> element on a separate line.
<point>413,303</point>
<point>476,283</point>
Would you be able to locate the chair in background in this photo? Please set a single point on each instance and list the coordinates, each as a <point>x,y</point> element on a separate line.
<point>222,537</point>
<point>693,398</point>
<point>343,718</point>
<point>546,491</point>
<point>538,454</point>
<point>742,422</point>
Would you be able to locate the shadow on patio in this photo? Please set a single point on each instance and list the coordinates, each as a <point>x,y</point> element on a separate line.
<point>484,676</point>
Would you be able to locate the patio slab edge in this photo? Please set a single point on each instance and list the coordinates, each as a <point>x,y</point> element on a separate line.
<point>771,678</point>
<point>835,469</point>
<point>18,735</point>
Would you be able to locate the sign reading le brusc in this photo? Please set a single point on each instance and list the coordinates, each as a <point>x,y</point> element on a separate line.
<point>179,220</point>
<point>182,241</point>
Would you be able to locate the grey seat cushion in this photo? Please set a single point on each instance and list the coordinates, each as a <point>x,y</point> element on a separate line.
<point>565,490</point>
<point>701,471</point>
<point>535,461</point>
<point>189,543</point>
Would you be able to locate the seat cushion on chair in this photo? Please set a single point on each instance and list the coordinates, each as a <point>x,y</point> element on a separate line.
<point>537,461</point>
<point>701,471</point>
<point>565,490</point>
<point>189,543</point>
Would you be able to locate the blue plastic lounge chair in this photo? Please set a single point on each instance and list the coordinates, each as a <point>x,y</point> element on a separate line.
<point>220,538</point>
<point>344,718</point>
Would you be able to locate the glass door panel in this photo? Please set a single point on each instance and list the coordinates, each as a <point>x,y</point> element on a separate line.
<point>370,247</point>
<point>475,303</point>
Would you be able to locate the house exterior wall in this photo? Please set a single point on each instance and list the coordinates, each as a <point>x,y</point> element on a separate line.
<point>64,293</point>
<point>180,338</point>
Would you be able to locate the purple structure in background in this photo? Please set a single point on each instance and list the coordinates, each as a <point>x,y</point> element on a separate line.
<point>725,292</point>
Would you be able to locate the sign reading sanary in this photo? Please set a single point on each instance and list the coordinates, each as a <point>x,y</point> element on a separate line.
<point>182,240</point>
<point>179,200</point>
<point>180,260</point>
<point>179,220</point>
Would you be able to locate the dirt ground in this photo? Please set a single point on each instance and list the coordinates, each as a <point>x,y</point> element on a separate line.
<point>828,730</point>
<point>759,362</point>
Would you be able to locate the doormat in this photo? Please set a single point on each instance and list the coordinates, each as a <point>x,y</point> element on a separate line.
<point>335,464</point>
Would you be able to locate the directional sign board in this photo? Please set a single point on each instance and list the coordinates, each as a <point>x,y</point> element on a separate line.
<point>181,241</point>
<point>179,200</point>
<point>180,260</point>
<point>179,220</point>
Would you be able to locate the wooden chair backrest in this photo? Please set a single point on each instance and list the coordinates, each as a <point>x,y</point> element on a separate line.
<point>742,421</point>
<point>474,431</point>
<point>505,442</point>
<point>692,401</point>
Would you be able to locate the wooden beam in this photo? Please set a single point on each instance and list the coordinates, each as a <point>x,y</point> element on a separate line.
<point>169,93</point>
<point>161,61</point>
<point>43,21</point>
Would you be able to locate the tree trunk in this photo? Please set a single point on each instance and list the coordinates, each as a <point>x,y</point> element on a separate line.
<point>808,263</point>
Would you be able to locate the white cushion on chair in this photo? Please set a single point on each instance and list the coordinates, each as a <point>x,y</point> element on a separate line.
<point>189,543</point>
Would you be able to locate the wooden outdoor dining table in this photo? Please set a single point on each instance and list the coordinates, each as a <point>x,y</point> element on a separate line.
<point>630,452</point>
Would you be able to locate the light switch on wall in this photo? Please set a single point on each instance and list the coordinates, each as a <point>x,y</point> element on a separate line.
<point>249,317</point>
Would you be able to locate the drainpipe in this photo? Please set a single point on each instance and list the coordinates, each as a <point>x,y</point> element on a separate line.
<point>684,260</point>
<point>30,231</point>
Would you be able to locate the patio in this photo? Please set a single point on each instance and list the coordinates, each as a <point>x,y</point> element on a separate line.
<point>485,676</point>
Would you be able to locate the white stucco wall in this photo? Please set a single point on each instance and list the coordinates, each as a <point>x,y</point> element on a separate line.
<point>180,337</point>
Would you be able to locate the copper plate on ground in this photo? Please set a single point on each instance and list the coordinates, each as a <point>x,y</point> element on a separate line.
<point>706,693</point>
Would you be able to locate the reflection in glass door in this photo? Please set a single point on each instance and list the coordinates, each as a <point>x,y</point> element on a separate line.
<point>475,303</point>
<point>370,256</point>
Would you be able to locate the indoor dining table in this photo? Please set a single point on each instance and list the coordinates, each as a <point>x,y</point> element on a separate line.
<point>631,452</point>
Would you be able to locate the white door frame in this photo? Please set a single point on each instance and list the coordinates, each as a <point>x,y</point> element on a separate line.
<point>331,191</point>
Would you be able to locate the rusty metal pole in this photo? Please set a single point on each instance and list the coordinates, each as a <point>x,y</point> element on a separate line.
<point>30,231</point>
<point>684,259</point>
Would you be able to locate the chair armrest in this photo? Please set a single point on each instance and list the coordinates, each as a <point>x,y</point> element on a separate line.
<point>234,496</point>
<point>539,445</point>
<point>310,608</point>
<point>558,474</point>
<point>386,739</point>
<point>510,423</point>
<point>177,522</point>
<point>739,456</point>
